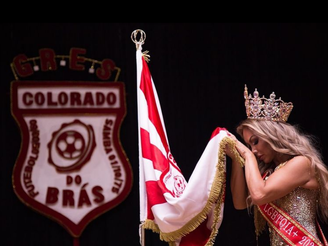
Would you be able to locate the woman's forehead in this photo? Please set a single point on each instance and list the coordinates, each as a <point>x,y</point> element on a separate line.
<point>248,134</point>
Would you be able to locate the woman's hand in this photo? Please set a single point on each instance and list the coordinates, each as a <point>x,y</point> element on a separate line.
<point>243,150</point>
<point>239,146</point>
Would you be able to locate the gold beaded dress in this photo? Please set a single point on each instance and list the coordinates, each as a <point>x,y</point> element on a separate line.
<point>300,204</point>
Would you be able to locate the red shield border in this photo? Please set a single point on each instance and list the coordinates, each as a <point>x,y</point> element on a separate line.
<point>75,229</point>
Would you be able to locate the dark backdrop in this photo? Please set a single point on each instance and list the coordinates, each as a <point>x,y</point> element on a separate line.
<point>199,70</point>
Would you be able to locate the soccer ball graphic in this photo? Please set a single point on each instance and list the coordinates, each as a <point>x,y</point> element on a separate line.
<point>70,144</point>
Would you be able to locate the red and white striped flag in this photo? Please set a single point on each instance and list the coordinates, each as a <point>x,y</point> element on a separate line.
<point>183,213</point>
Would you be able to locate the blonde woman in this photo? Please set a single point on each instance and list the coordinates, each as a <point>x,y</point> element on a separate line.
<point>284,178</point>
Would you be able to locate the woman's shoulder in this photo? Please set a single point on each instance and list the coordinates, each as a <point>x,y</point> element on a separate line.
<point>300,159</point>
<point>301,167</point>
<point>298,164</point>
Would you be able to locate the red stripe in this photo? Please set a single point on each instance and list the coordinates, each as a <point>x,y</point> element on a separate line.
<point>154,196</point>
<point>151,152</point>
<point>146,87</point>
<point>217,131</point>
<point>198,237</point>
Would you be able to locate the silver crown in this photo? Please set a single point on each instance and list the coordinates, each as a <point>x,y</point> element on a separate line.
<point>266,108</point>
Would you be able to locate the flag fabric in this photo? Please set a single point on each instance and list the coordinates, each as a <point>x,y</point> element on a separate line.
<point>182,212</point>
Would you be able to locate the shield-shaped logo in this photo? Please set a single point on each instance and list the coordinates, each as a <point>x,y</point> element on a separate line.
<point>71,165</point>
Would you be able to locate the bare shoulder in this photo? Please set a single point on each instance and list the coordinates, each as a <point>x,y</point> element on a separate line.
<point>301,167</point>
<point>300,161</point>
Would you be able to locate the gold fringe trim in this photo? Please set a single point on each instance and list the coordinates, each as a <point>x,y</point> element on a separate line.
<point>216,197</point>
<point>232,146</point>
<point>259,222</point>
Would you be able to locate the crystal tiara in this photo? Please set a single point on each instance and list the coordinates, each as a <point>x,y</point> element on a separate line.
<point>261,108</point>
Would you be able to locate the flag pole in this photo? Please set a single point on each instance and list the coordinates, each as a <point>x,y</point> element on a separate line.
<point>138,36</point>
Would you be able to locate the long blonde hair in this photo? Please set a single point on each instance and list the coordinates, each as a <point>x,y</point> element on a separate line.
<point>289,139</point>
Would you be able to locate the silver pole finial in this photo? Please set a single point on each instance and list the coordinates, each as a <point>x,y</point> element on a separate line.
<point>138,39</point>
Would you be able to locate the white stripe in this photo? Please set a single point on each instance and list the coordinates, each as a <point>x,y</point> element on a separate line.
<point>146,124</point>
<point>159,109</point>
<point>150,173</point>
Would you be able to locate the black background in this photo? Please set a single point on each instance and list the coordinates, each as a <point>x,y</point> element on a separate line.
<point>199,70</point>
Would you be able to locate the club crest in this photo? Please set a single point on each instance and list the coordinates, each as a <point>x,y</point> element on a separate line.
<point>71,166</point>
